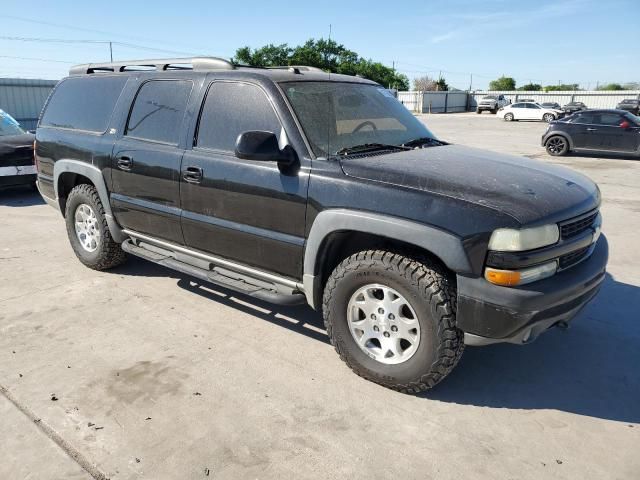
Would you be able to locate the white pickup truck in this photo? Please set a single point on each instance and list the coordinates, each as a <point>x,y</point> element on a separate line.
<point>493,103</point>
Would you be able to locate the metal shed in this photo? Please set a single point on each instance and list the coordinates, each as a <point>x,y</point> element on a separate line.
<point>23,99</point>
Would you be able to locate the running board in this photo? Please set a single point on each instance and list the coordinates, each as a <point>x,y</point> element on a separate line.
<point>239,282</point>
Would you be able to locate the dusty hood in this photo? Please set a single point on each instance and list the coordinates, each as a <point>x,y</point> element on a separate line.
<point>528,190</point>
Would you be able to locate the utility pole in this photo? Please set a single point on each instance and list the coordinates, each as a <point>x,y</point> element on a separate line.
<point>111,50</point>
<point>471,82</point>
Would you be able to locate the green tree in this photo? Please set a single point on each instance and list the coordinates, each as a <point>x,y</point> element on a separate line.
<point>561,86</point>
<point>531,87</point>
<point>503,83</point>
<point>325,54</point>
<point>611,86</point>
<point>442,85</point>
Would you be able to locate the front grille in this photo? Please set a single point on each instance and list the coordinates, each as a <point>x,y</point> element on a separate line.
<point>570,259</point>
<point>576,227</point>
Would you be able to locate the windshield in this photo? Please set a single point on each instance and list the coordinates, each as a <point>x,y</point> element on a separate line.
<point>489,97</point>
<point>337,115</point>
<point>8,125</point>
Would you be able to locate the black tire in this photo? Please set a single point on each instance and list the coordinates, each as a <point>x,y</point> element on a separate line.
<point>494,110</point>
<point>557,145</point>
<point>108,253</point>
<point>508,117</point>
<point>431,294</point>
<point>478,110</point>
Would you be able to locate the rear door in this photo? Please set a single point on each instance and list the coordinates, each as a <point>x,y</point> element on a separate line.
<point>146,160</point>
<point>244,210</point>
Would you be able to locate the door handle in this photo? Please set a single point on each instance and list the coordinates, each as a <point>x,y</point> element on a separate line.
<point>193,174</point>
<point>591,129</point>
<point>125,163</point>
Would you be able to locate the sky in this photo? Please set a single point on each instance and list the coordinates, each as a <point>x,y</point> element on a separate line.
<point>588,42</point>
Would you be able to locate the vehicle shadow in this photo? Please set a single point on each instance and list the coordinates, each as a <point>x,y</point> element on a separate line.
<point>604,155</point>
<point>22,196</point>
<point>297,318</point>
<point>590,370</point>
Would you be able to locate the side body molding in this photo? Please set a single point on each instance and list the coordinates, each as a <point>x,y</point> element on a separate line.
<point>444,245</point>
<point>94,174</point>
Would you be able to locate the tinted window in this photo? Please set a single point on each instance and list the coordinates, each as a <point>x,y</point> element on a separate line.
<point>583,118</point>
<point>83,103</point>
<point>8,125</point>
<point>231,109</point>
<point>532,105</point>
<point>518,105</point>
<point>158,110</point>
<point>612,119</point>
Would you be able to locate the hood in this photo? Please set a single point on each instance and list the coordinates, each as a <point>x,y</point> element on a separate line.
<point>527,190</point>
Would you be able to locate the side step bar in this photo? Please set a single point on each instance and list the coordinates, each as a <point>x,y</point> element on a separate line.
<point>209,272</point>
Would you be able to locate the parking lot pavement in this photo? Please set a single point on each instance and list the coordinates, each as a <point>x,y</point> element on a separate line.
<point>159,377</point>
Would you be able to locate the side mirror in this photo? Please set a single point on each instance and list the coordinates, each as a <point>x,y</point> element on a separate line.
<point>625,124</point>
<point>263,146</point>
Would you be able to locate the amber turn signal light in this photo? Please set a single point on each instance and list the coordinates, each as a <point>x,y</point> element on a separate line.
<point>502,277</point>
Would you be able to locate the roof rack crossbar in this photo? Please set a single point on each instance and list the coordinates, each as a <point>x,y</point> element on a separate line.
<point>199,64</point>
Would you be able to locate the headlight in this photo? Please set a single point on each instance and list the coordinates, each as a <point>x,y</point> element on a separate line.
<point>510,278</point>
<point>511,240</point>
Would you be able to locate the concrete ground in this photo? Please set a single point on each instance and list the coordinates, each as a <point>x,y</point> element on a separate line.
<point>141,372</point>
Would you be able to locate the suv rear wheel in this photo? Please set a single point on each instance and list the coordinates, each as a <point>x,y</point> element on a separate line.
<point>88,231</point>
<point>392,319</point>
<point>548,117</point>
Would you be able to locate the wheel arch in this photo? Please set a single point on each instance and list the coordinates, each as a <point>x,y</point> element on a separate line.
<point>560,134</point>
<point>338,233</point>
<point>68,173</point>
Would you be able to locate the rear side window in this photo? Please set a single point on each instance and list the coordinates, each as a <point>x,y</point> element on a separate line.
<point>230,109</point>
<point>611,119</point>
<point>584,118</point>
<point>158,110</point>
<point>83,103</point>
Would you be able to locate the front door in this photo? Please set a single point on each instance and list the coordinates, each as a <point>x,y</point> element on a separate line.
<point>146,161</point>
<point>243,210</point>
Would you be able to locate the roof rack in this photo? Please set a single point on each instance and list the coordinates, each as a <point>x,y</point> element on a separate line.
<point>199,64</point>
<point>298,68</point>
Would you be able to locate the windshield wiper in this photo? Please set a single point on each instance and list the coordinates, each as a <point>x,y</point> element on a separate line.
<point>417,142</point>
<point>370,147</point>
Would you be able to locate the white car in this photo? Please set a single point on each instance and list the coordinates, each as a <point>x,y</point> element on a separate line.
<point>529,111</point>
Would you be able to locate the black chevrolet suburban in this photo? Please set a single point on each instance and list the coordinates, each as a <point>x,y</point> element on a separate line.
<point>294,185</point>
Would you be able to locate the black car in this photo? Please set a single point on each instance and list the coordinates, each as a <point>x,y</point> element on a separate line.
<point>573,107</point>
<point>16,153</point>
<point>293,185</point>
<point>554,105</point>
<point>598,130</point>
<point>631,105</point>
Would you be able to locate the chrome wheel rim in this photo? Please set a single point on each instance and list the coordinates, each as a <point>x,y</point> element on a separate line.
<point>508,117</point>
<point>383,324</point>
<point>548,117</point>
<point>86,225</point>
<point>555,145</point>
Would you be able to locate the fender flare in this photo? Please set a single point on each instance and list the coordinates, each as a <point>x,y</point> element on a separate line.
<point>94,174</point>
<point>444,245</point>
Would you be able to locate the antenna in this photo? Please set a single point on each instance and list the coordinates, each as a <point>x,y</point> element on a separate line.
<point>329,107</point>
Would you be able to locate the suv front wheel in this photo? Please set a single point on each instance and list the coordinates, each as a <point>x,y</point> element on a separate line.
<point>392,319</point>
<point>88,231</point>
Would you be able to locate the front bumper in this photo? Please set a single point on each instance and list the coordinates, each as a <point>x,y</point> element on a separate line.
<point>487,107</point>
<point>490,313</point>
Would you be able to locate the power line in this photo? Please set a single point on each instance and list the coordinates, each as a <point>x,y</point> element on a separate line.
<point>87,41</point>
<point>38,59</point>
